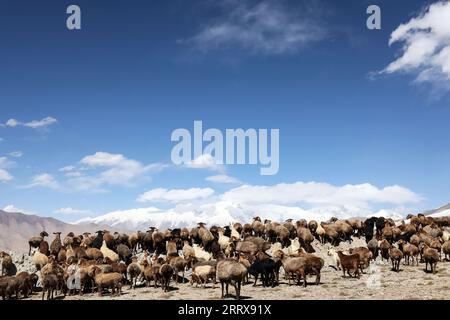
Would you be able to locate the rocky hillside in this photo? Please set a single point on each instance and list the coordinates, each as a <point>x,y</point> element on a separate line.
<point>17,228</point>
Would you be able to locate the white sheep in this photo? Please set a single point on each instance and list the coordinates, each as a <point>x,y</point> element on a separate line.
<point>335,258</point>
<point>234,233</point>
<point>108,253</point>
<point>39,260</point>
<point>223,241</point>
<point>200,253</point>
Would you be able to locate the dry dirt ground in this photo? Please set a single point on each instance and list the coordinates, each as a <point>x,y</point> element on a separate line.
<point>379,282</point>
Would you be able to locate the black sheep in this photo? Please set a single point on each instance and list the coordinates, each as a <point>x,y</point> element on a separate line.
<point>266,268</point>
<point>98,240</point>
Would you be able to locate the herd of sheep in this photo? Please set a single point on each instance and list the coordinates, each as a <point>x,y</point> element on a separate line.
<point>78,264</point>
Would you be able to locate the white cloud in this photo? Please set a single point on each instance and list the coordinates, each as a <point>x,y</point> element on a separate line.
<point>35,124</point>
<point>106,169</point>
<point>175,195</point>
<point>44,180</point>
<point>223,178</point>
<point>67,169</point>
<point>13,209</point>
<point>72,211</point>
<point>321,194</point>
<point>425,49</point>
<point>204,161</point>
<point>16,154</point>
<point>5,176</point>
<point>261,27</point>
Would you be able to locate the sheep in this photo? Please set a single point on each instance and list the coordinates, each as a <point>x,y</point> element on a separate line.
<point>230,271</point>
<point>49,285</point>
<point>415,240</point>
<point>178,264</point>
<point>166,273</point>
<point>365,255</point>
<point>39,260</point>
<point>98,240</point>
<point>296,266</point>
<point>357,225</point>
<point>331,234</point>
<point>68,240</point>
<point>205,236</point>
<point>344,229</point>
<point>147,241</point>
<point>334,258</point>
<point>313,265</point>
<point>9,286</point>
<point>384,249</point>
<point>312,226</point>
<point>108,253</point>
<point>148,273</point>
<point>199,253</point>
<point>247,247</point>
<point>237,227</point>
<point>124,253</point>
<point>349,263</point>
<point>158,241</point>
<point>260,243</point>
<point>24,283</point>
<point>430,256</point>
<point>134,271</point>
<point>8,267</point>
<point>44,247</point>
<point>247,230</point>
<point>223,240</point>
<point>372,245</point>
<point>320,233</point>
<point>258,227</point>
<point>409,251</point>
<point>266,268</point>
<point>282,235</point>
<point>171,247</point>
<point>184,234</point>
<point>396,256</point>
<point>201,273</point>
<point>34,242</point>
<point>111,280</point>
<point>94,254</point>
<point>293,248</point>
<point>56,244</point>
<point>305,237</point>
<point>436,244</point>
<point>446,249</point>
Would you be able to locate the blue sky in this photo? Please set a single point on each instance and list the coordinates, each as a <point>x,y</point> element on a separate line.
<point>139,69</point>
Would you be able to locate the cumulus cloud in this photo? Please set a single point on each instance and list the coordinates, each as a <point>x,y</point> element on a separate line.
<point>72,211</point>
<point>425,50</point>
<point>223,178</point>
<point>259,27</point>
<point>204,161</point>
<point>314,193</point>
<point>34,124</point>
<point>175,195</point>
<point>44,180</point>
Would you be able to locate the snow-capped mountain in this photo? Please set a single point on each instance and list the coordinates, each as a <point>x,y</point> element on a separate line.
<point>223,213</point>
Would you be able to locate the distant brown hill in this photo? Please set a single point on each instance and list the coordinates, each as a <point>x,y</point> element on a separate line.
<point>17,228</point>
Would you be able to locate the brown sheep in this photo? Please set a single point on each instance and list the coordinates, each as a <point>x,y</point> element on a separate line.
<point>372,245</point>
<point>34,242</point>
<point>446,249</point>
<point>9,286</point>
<point>349,263</point>
<point>93,254</point>
<point>436,244</point>
<point>49,285</point>
<point>178,264</point>
<point>431,256</point>
<point>62,256</point>
<point>282,235</point>
<point>111,280</point>
<point>171,247</point>
<point>409,251</point>
<point>384,248</point>
<point>109,239</point>
<point>44,248</point>
<point>396,256</point>
<point>247,247</point>
<point>206,236</point>
<point>306,238</point>
<point>56,244</point>
<point>258,227</point>
<point>158,241</point>
<point>134,271</point>
<point>230,271</point>
<point>8,267</point>
<point>365,255</point>
<point>24,283</point>
<point>312,226</point>
<point>133,241</point>
<point>166,273</point>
